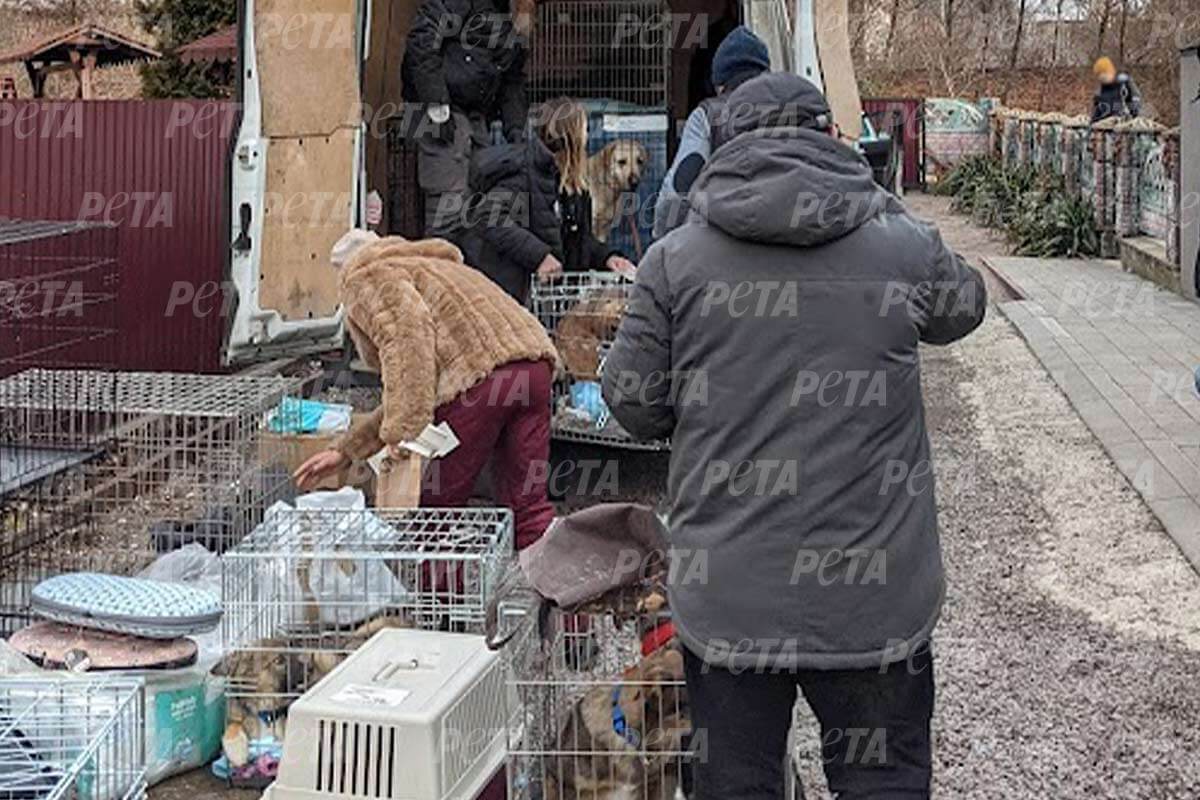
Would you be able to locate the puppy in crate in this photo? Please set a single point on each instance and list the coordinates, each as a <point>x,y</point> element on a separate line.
<point>267,676</point>
<point>595,588</point>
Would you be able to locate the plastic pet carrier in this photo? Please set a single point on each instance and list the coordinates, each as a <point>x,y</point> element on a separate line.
<point>413,715</point>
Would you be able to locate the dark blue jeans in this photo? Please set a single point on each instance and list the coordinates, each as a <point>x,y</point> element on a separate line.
<point>875,739</point>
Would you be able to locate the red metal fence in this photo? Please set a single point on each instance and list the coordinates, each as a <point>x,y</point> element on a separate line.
<point>891,111</point>
<point>158,169</point>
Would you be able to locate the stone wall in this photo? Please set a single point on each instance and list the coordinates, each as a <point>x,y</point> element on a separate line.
<point>1130,169</point>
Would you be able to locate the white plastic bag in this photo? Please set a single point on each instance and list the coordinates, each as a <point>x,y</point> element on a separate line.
<point>341,592</point>
<point>195,566</point>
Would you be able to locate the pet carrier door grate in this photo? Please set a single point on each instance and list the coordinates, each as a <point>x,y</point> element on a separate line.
<point>615,50</point>
<point>72,738</point>
<point>581,311</point>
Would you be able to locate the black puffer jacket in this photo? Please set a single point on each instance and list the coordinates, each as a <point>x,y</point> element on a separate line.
<point>512,223</point>
<point>1120,98</point>
<point>466,54</point>
<point>582,251</point>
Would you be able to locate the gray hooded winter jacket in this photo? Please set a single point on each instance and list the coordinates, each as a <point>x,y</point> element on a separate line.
<point>774,338</point>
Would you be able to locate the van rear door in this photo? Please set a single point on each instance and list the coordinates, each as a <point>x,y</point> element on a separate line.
<point>297,172</point>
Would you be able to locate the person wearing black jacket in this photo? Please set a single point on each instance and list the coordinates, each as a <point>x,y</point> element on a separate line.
<point>513,228</point>
<point>1117,95</point>
<point>561,124</point>
<point>464,64</point>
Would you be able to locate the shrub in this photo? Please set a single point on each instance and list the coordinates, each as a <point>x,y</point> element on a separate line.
<point>1040,217</point>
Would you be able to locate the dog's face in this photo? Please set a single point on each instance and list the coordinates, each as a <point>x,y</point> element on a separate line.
<point>624,161</point>
<point>654,700</point>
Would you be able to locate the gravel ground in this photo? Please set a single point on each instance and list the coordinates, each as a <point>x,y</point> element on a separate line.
<point>1066,659</point>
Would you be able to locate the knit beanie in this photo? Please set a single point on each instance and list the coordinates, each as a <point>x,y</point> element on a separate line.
<point>739,52</point>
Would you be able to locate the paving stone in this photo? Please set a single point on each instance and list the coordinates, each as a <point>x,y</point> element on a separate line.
<point>1135,347</point>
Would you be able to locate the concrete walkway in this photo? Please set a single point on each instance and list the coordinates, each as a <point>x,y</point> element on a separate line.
<point>1124,353</point>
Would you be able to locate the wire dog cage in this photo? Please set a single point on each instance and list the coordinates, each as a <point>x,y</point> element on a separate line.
<point>72,738</point>
<point>618,50</point>
<point>109,469</point>
<point>598,712</point>
<point>616,139</point>
<point>581,311</point>
<point>309,586</point>
<point>58,295</point>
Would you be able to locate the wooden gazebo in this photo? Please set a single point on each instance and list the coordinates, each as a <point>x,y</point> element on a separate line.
<point>82,49</point>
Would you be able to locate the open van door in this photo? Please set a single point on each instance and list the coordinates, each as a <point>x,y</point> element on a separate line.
<point>297,172</point>
<point>812,39</point>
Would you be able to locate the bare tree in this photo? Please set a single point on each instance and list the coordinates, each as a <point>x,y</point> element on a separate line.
<point>1102,31</point>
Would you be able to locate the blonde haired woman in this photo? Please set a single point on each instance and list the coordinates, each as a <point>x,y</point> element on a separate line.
<point>561,124</point>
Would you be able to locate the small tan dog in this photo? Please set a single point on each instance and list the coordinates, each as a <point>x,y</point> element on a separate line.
<point>640,763</point>
<point>274,672</point>
<point>584,328</point>
<point>613,171</point>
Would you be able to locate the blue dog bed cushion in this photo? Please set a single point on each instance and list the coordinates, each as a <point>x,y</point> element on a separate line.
<point>153,609</point>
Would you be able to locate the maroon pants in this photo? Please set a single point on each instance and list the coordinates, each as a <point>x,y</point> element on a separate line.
<point>504,421</point>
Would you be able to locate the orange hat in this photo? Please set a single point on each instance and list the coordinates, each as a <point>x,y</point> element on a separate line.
<point>1103,66</point>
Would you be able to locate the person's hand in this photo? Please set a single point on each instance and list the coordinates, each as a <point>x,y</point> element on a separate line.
<point>439,114</point>
<point>622,265</point>
<point>319,467</point>
<point>550,268</point>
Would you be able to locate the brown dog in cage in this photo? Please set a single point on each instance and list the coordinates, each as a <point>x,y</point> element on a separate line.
<point>273,673</point>
<point>627,737</point>
<point>614,171</point>
<point>589,324</point>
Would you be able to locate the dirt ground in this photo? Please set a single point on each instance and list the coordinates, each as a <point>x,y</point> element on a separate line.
<point>1066,659</point>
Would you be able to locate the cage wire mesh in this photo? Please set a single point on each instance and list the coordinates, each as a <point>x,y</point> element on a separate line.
<point>78,738</point>
<point>606,49</point>
<point>570,689</point>
<point>111,469</point>
<point>405,201</point>
<point>58,295</point>
<point>617,139</point>
<point>309,586</point>
<point>581,311</point>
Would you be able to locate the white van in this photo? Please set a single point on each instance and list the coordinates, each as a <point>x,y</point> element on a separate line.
<point>320,82</point>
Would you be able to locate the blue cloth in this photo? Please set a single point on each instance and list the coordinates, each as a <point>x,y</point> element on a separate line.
<point>585,396</point>
<point>740,51</point>
<point>296,416</point>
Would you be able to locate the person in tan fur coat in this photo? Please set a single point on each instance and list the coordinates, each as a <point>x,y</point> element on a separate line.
<point>451,347</point>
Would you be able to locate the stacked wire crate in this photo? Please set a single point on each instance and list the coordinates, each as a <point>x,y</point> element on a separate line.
<point>582,311</point>
<point>615,57</point>
<point>106,470</point>
<point>309,586</point>
<point>595,715</point>
<point>72,738</point>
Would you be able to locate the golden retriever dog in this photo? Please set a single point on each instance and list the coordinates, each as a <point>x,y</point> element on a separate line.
<point>584,328</point>
<point>612,172</point>
<point>642,762</point>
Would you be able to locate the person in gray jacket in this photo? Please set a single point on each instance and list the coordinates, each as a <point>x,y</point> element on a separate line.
<point>740,57</point>
<point>774,338</point>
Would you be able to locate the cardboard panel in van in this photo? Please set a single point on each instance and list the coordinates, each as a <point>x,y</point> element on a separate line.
<point>307,209</point>
<point>308,65</point>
